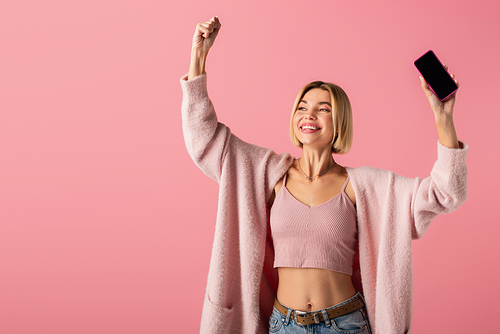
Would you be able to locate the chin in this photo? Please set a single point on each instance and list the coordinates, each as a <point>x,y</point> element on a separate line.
<point>317,146</point>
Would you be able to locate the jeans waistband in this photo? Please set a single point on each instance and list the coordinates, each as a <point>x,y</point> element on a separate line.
<point>329,307</point>
<point>303,318</point>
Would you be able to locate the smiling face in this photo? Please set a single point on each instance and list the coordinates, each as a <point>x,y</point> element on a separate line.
<point>313,118</point>
<point>327,108</point>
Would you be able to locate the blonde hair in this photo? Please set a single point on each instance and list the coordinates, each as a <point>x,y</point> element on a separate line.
<point>342,116</point>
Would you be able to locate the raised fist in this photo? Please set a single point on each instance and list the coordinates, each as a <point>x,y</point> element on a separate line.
<point>205,34</point>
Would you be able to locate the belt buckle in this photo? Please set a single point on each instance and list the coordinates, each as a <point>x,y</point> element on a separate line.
<point>297,314</point>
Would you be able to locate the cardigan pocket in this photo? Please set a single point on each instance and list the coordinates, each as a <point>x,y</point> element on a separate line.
<point>217,316</point>
<point>217,306</point>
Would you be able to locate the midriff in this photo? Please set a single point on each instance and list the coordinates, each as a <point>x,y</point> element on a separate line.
<point>313,289</point>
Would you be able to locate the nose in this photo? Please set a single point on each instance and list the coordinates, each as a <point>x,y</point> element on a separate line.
<point>310,114</point>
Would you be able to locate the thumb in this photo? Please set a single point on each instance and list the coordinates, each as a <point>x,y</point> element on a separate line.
<point>425,87</point>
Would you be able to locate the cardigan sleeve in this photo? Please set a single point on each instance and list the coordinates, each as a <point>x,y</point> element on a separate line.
<point>206,139</point>
<point>392,210</point>
<point>443,191</point>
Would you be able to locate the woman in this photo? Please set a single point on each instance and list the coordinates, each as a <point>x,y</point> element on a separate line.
<point>318,288</point>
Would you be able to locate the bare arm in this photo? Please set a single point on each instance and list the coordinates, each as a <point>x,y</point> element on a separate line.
<point>443,114</point>
<point>203,39</point>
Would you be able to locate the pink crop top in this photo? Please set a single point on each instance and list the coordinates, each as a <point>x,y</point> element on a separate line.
<point>321,236</point>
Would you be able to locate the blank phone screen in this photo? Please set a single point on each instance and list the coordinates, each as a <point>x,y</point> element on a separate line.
<point>436,75</point>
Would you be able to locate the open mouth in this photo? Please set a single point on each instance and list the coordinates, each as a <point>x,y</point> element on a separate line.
<point>309,128</point>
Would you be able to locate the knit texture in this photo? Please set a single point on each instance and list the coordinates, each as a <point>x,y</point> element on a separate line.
<point>391,210</point>
<point>322,236</point>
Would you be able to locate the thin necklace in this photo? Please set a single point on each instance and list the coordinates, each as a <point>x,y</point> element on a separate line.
<point>312,178</point>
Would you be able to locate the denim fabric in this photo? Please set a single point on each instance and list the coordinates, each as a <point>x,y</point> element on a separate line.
<point>355,322</point>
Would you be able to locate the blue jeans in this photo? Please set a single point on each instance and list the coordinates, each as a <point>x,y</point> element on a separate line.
<point>354,322</point>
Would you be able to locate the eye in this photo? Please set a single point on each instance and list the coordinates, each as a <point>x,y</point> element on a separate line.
<point>301,108</point>
<point>324,110</point>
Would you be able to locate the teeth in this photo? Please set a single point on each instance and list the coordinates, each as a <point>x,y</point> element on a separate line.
<point>310,127</point>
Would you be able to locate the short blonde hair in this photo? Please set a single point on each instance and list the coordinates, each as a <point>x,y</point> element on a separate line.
<point>342,116</point>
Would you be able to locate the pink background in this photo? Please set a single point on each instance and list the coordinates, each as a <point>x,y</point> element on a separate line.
<point>106,225</point>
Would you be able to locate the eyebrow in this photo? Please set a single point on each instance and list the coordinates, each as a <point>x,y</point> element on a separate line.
<point>304,101</point>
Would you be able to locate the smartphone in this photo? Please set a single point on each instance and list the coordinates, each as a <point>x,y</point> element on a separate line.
<point>437,77</point>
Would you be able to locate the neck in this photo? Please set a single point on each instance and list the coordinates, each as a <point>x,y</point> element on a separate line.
<point>315,161</point>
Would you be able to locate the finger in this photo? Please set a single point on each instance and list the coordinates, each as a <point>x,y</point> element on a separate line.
<point>454,79</point>
<point>203,26</point>
<point>208,25</point>
<point>211,24</point>
<point>217,26</point>
<point>203,29</point>
<point>423,83</point>
<point>214,24</point>
<point>216,32</point>
<point>217,21</point>
<point>425,87</point>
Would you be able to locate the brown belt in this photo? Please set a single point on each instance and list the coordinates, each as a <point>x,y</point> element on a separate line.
<point>309,318</point>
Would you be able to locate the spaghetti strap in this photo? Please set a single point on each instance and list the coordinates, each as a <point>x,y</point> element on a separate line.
<point>345,184</point>
<point>284,178</point>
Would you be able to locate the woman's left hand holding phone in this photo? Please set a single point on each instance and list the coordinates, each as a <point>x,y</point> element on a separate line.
<point>443,115</point>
